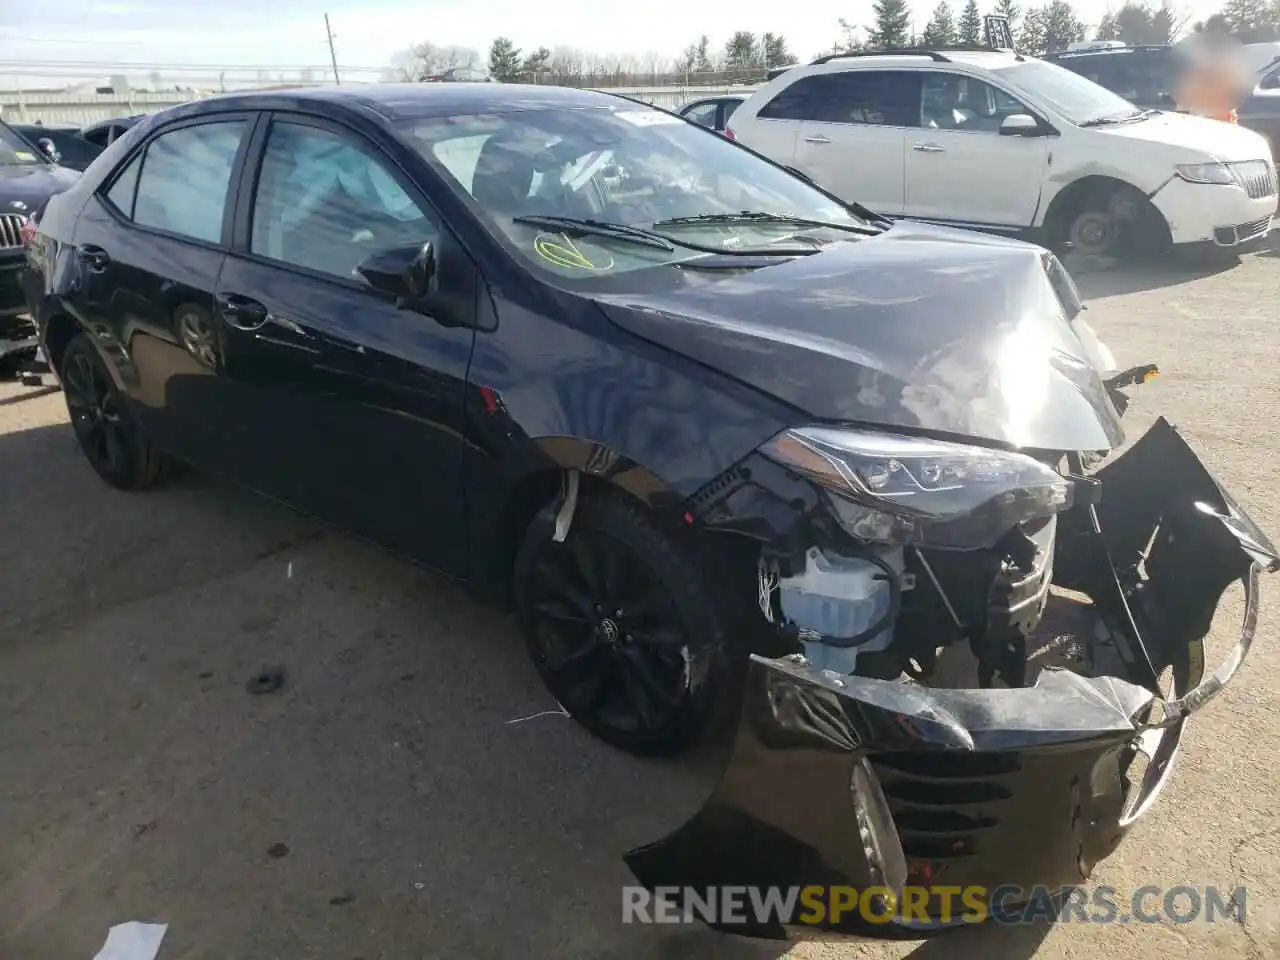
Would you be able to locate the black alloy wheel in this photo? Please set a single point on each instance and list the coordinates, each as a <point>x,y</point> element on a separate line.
<point>106,431</point>
<point>619,628</point>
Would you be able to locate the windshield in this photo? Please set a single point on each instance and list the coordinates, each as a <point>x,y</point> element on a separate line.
<point>14,150</point>
<point>626,167</point>
<point>1076,98</point>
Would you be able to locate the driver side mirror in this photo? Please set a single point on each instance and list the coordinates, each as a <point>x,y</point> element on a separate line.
<point>48,149</point>
<point>401,272</point>
<point>1020,125</point>
<point>408,274</point>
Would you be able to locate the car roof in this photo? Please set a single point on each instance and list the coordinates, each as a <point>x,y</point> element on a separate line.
<point>411,101</point>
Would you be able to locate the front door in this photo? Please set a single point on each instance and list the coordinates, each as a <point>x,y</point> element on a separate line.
<point>960,169</point>
<point>852,142</point>
<point>363,424</point>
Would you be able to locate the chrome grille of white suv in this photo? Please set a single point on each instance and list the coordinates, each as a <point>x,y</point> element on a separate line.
<point>1257,177</point>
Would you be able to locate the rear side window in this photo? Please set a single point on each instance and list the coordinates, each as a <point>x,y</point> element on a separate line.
<point>873,97</point>
<point>704,114</point>
<point>185,177</point>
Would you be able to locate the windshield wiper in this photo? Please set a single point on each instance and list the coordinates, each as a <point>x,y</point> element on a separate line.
<point>648,238</point>
<point>598,228</point>
<point>1107,121</point>
<point>761,216</point>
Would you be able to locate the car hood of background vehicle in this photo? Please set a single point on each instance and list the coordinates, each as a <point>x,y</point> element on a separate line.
<point>33,183</point>
<point>1199,137</point>
<point>920,327</point>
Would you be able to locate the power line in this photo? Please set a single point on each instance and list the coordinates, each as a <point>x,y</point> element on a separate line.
<point>134,43</point>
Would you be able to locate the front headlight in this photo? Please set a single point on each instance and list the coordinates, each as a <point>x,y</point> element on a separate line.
<point>901,489</point>
<point>1218,173</point>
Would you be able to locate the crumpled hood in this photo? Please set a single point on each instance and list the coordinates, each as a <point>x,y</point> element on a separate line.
<point>32,184</point>
<point>1199,137</point>
<point>921,328</point>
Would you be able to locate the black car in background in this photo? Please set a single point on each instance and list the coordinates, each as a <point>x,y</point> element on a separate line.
<point>699,424</point>
<point>102,133</point>
<point>1147,75</point>
<point>27,179</point>
<point>61,143</point>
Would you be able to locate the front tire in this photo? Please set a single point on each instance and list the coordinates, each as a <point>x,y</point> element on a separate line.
<point>109,436</point>
<point>621,627</point>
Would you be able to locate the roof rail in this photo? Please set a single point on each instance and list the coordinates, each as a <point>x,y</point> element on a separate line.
<point>932,54</point>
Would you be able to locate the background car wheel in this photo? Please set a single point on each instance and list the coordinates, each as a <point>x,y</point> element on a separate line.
<point>1111,220</point>
<point>104,427</point>
<point>621,627</point>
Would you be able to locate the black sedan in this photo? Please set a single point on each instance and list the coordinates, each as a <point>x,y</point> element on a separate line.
<point>686,413</point>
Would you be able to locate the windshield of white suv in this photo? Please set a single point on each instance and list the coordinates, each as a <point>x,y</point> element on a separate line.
<point>14,151</point>
<point>1076,98</point>
<point>585,193</point>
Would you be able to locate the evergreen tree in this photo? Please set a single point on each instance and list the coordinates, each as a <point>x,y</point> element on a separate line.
<point>892,27</point>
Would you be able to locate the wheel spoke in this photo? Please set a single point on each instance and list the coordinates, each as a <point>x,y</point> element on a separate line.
<point>113,444</point>
<point>578,658</point>
<point>660,636</point>
<point>75,379</point>
<point>642,688</point>
<point>557,586</point>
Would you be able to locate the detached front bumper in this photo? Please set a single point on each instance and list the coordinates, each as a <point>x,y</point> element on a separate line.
<point>1222,215</point>
<point>852,782</point>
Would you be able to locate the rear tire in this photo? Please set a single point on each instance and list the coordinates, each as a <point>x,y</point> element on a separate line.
<point>622,627</point>
<point>108,433</point>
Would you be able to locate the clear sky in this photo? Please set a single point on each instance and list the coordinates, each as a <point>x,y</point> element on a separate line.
<point>80,35</point>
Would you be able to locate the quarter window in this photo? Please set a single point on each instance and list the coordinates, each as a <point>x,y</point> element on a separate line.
<point>874,97</point>
<point>122,191</point>
<point>326,204</point>
<point>185,178</point>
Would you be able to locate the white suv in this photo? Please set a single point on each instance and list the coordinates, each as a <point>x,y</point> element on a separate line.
<point>1003,142</point>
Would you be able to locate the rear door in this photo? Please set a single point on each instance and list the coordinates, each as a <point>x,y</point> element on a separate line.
<point>853,139</point>
<point>355,406</point>
<point>960,168</point>
<point>151,243</point>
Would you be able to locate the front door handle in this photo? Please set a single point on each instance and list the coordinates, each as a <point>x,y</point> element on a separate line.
<point>929,148</point>
<point>241,312</point>
<point>95,258</point>
<point>816,140</point>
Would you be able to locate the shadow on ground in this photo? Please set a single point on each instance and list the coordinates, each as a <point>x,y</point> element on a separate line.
<point>382,803</point>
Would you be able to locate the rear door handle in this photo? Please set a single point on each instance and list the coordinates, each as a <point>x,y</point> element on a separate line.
<point>95,258</point>
<point>816,140</point>
<point>929,148</point>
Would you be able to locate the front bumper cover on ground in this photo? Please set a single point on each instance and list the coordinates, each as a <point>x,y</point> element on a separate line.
<point>857,782</point>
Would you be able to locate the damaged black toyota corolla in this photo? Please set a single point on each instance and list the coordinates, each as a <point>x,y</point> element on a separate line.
<point>686,412</point>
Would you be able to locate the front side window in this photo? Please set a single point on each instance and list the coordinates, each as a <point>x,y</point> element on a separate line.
<point>185,179</point>
<point>624,166</point>
<point>952,101</point>
<point>325,203</point>
<point>1076,98</point>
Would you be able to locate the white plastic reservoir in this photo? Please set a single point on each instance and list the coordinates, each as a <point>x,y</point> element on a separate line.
<point>838,596</point>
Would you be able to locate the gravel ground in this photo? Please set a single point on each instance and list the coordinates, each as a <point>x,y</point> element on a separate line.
<point>383,805</point>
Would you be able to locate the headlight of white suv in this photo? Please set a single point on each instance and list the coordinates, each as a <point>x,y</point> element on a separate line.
<point>899,489</point>
<point>1218,173</point>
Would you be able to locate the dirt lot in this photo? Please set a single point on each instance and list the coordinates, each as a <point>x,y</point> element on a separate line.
<point>139,779</point>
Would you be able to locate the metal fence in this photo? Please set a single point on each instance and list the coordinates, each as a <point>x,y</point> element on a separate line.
<point>84,108</point>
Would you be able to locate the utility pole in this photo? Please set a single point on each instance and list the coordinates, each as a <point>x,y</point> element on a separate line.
<point>333,56</point>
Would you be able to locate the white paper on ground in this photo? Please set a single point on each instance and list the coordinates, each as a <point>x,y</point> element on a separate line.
<point>132,941</point>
